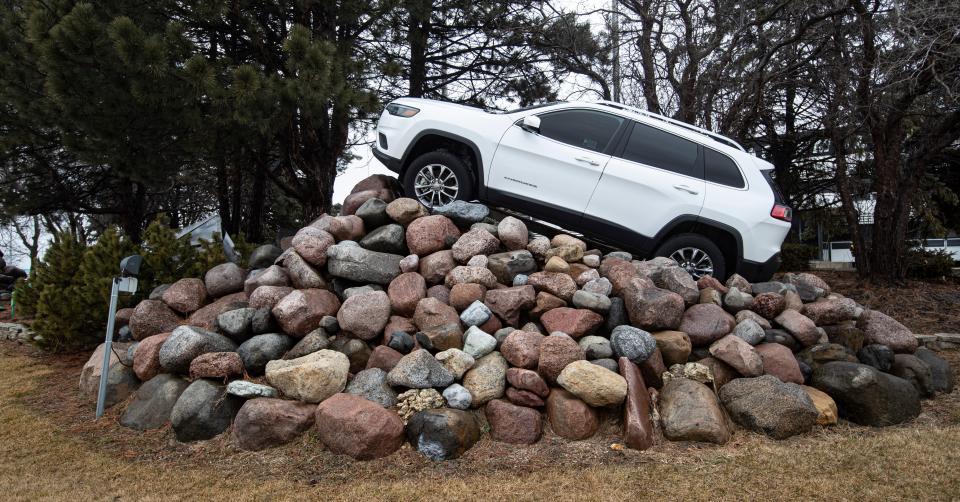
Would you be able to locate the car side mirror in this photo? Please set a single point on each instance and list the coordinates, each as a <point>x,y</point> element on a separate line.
<point>531,123</point>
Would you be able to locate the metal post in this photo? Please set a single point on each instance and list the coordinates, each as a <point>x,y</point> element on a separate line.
<point>108,347</point>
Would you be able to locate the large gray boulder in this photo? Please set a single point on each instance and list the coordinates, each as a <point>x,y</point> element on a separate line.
<point>914,370</point>
<point>442,434</point>
<point>151,407</point>
<point>188,342</point>
<point>372,384</point>
<point>867,396</point>
<point>224,279</point>
<point>350,261</point>
<point>264,256</point>
<point>419,370</point>
<point>940,373</point>
<point>690,411</point>
<point>203,411</point>
<point>767,405</point>
<point>261,349</point>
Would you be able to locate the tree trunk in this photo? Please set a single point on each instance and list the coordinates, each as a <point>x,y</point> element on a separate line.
<point>223,194</point>
<point>418,35</point>
<point>257,199</point>
<point>892,210</point>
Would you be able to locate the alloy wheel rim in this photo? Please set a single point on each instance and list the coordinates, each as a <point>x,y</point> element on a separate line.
<point>436,185</point>
<point>694,260</point>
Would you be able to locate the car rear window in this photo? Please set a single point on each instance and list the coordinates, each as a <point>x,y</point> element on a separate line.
<point>656,148</point>
<point>718,168</point>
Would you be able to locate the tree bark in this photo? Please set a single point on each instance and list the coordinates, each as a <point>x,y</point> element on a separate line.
<point>418,35</point>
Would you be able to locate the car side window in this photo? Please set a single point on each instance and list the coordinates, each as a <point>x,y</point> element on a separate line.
<point>581,128</point>
<point>653,147</point>
<point>718,168</point>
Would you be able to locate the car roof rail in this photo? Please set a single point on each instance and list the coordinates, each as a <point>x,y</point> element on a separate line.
<point>712,135</point>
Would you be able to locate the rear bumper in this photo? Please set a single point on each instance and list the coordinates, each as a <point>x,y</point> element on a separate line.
<point>391,163</point>
<point>759,271</point>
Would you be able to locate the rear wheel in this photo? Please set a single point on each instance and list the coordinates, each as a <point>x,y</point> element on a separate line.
<point>438,178</point>
<point>696,254</point>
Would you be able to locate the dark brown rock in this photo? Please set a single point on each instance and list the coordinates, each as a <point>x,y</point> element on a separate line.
<point>545,302</point>
<point>652,308</point>
<point>574,322</point>
<point>557,284</point>
<point>510,423</point>
<point>186,295</point>
<point>440,323</point>
<point>571,418</point>
<point>431,234</point>
<point>653,369</point>
<point>556,352</point>
<point>266,422</point>
<point>219,365</point>
<point>405,291</point>
<point>152,317</point>
<point>300,312</point>
<point>206,317</point>
<point>768,305</point>
<point>780,362</point>
<point>522,348</point>
<point>462,295</point>
<point>521,397</point>
<point>383,357</point>
<point>637,426</point>
<point>146,360</point>
<point>357,427</point>
<point>721,371</point>
<point>706,323</point>
<point>528,380</point>
<point>435,267</point>
<point>364,315</point>
<point>799,326</point>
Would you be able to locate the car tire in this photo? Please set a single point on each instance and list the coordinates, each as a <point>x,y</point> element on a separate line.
<point>438,178</point>
<point>694,252</point>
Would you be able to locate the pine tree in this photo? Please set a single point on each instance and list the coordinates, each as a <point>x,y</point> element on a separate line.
<point>166,259</point>
<point>56,306</point>
<point>92,284</point>
<point>27,293</point>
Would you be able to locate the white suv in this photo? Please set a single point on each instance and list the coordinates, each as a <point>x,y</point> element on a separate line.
<point>623,176</point>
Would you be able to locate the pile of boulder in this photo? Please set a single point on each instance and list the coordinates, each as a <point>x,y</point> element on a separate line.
<point>395,323</point>
<point>8,278</point>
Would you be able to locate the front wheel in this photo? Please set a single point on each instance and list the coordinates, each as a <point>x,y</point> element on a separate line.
<point>696,254</point>
<point>437,179</point>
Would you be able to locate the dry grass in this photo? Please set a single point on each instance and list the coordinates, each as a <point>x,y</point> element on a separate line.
<point>50,448</point>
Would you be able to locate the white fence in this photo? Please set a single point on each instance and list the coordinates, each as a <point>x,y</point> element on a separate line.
<point>839,251</point>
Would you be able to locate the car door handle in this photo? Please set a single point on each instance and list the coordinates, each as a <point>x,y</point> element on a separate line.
<point>588,160</point>
<point>686,188</point>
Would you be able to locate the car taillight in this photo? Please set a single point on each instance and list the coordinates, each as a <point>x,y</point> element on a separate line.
<point>781,212</point>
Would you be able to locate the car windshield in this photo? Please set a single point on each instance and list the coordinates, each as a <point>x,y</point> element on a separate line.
<point>525,108</point>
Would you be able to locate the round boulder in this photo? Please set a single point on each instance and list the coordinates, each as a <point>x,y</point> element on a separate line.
<point>354,426</point>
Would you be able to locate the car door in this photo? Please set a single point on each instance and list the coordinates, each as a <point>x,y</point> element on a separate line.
<point>553,172</point>
<point>655,178</point>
